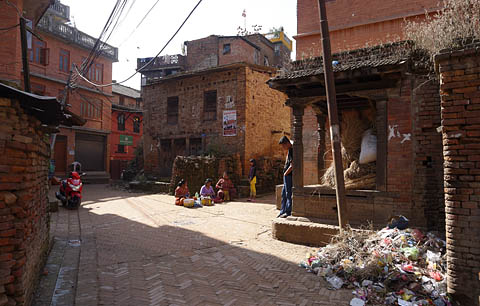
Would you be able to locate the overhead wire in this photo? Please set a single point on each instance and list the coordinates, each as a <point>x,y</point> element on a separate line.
<point>9,28</point>
<point>140,23</point>
<point>149,62</point>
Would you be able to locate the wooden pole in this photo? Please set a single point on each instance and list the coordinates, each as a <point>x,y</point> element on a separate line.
<point>333,117</point>
<point>26,68</point>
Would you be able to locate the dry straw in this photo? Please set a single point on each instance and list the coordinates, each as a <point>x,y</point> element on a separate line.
<point>455,25</point>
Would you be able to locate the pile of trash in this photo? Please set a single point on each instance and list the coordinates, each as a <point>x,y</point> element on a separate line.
<point>388,267</point>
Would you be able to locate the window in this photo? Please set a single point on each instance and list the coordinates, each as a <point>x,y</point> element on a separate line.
<point>172,110</point>
<point>121,122</point>
<point>136,125</point>
<point>210,105</point>
<point>121,100</point>
<point>91,109</point>
<point>95,72</point>
<point>226,49</point>
<point>121,149</point>
<point>64,61</point>
<point>39,52</point>
<point>265,61</point>
<point>137,103</point>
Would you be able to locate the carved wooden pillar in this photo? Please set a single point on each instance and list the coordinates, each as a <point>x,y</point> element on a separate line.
<point>321,119</point>
<point>298,111</point>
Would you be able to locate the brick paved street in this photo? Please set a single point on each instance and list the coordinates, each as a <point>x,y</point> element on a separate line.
<point>124,248</point>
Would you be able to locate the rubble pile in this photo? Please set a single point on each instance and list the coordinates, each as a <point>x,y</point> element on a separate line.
<point>386,267</point>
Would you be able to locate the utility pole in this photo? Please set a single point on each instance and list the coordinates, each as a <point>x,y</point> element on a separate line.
<point>333,117</point>
<point>26,68</point>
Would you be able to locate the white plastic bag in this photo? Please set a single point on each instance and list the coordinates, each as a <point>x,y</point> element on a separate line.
<point>368,150</point>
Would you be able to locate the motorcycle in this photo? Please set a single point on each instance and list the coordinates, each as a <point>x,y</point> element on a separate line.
<point>70,193</point>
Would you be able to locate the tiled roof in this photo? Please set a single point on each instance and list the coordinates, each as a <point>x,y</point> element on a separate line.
<point>391,54</point>
<point>125,91</point>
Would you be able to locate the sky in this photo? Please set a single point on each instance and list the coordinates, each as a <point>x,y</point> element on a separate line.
<point>220,17</point>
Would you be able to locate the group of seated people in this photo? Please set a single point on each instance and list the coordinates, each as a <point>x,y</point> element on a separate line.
<point>226,190</point>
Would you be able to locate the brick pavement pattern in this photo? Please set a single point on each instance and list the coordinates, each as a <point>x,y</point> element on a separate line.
<point>141,249</point>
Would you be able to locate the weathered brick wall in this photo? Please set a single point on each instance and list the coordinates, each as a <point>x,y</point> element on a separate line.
<point>414,153</point>
<point>428,177</point>
<point>190,91</point>
<point>10,49</point>
<point>24,227</point>
<point>353,24</point>
<point>267,118</point>
<point>202,53</point>
<point>460,94</point>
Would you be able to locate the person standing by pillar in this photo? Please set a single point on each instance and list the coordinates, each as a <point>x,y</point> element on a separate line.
<point>287,178</point>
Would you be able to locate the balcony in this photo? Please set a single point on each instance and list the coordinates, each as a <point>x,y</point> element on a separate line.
<point>163,62</point>
<point>53,26</point>
<point>60,10</point>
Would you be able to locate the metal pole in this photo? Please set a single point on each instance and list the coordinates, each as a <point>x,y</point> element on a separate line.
<point>26,68</point>
<point>333,118</point>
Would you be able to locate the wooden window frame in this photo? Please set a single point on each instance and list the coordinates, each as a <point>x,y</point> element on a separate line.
<point>39,53</point>
<point>172,110</point>
<point>64,61</point>
<point>121,124</point>
<point>121,149</point>
<point>136,124</point>
<point>91,111</point>
<point>210,105</point>
<point>227,49</point>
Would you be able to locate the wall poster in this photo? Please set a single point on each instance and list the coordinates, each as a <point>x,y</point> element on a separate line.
<point>230,123</point>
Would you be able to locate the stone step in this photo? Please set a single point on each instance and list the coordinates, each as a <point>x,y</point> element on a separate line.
<point>303,231</point>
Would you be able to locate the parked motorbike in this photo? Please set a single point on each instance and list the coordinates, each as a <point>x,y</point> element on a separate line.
<point>70,193</point>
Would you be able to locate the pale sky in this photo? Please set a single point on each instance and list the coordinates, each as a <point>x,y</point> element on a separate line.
<point>221,17</point>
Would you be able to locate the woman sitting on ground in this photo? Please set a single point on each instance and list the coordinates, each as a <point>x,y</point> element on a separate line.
<point>207,189</point>
<point>181,192</point>
<point>226,190</point>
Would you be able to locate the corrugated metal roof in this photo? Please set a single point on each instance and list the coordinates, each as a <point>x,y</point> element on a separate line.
<point>126,91</point>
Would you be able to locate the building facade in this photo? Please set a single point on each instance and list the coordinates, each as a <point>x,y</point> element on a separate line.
<point>221,110</point>
<point>356,24</point>
<point>272,50</point>
<point>51,57</point>
<point>127,128</point>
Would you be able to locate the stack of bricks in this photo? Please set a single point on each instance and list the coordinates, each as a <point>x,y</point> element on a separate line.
<point>460,93</point>
<point>24,227</point>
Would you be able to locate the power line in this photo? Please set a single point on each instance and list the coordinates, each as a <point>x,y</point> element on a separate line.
<point>149,62</point>
<point>138,25</point>
<point>9,28</point>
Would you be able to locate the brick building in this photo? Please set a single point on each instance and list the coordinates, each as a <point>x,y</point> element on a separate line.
<point>222,110</point>
<point>356,24</point>
<point>272,49</point>
<point>385,87</point>
<point>26,120</point>
<point>127,127</point>
<point>51,59</point>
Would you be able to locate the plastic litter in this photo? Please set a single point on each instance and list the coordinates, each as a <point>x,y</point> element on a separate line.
<point>335,281</point>
<point>387,267</point>
<point>357,302</point>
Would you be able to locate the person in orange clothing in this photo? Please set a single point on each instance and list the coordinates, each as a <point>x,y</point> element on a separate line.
<point>181,192</point>
<point>226,190</point>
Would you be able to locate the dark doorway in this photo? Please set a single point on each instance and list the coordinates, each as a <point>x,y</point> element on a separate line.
<point>90,151</point>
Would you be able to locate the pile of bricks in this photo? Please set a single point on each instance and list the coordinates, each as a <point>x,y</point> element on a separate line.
<point>460,93</point>
<point>24,227</point>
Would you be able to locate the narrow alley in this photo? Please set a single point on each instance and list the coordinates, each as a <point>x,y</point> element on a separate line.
<point>124,248</point>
